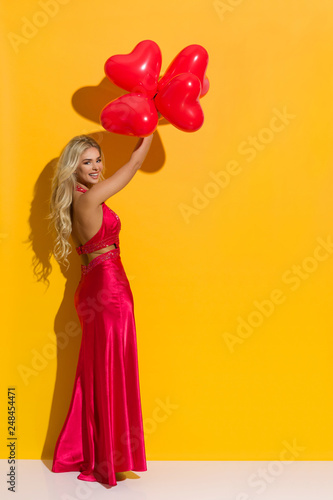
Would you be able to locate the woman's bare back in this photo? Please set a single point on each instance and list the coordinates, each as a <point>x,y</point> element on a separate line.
<point>84,230</point>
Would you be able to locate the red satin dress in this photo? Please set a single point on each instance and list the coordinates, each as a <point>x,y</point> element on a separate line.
<point>103,430</point>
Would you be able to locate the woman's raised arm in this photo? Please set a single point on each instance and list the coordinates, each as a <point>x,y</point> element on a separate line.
<point>103,190</point>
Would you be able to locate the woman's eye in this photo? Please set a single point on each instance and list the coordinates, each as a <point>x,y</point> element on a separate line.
<point>86,163</point>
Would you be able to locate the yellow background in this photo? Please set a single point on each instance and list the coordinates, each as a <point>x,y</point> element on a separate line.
<point>194,277</point>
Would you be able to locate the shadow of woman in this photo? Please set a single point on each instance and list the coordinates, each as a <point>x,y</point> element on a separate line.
<point>116,149</point>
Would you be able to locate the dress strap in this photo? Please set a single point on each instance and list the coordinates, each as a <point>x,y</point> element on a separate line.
<point>79,188</point>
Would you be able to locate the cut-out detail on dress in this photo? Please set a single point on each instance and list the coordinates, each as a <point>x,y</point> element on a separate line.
<point>111,254</point>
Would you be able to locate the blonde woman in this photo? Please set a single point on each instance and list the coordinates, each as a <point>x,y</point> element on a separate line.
<point>103,430</point>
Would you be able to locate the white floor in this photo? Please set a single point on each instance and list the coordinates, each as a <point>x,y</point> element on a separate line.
<point>177,480</point>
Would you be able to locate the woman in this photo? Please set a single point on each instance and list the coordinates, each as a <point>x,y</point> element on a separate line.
<point>103,431</point>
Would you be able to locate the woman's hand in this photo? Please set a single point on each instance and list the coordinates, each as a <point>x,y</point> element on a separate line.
<point>144,141</point>
<point>141,149</point>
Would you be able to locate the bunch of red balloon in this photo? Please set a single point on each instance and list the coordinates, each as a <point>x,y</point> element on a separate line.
<point>175,95</point>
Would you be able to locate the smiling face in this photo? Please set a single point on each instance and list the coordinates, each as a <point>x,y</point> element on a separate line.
<point>89,167</point>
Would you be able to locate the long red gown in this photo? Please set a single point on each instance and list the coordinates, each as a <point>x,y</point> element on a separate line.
<point>103,430</point>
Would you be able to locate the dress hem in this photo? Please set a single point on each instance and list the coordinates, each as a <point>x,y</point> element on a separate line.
<point>90,476</point>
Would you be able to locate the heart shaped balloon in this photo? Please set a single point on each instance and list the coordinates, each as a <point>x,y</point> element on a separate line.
<point>176,95</point>
<point>192,59</point>
<point>178,102</point>
<point>130,114</point>
<point>137,71</point>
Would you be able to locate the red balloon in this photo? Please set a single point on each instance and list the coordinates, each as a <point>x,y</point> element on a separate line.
<point>176,95</point>
<point>205,87</point>
<point>137,71</point>
<point>130,114</point>
<point>192,59</point>
<point>178,101</point>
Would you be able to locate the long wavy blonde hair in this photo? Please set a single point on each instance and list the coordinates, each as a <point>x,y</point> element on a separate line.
<point>63,183</point>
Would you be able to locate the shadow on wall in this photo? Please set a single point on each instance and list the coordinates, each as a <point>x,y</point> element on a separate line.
<point>88,102</point>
